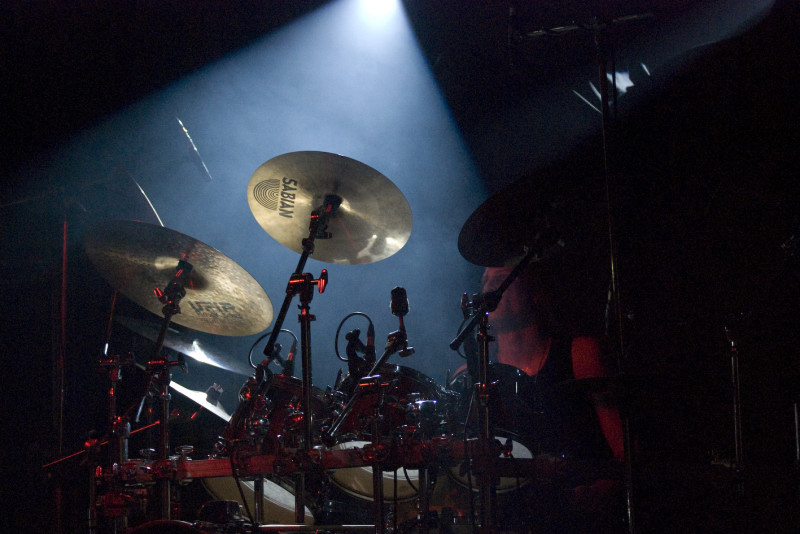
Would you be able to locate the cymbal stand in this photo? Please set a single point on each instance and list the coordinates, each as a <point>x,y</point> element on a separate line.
<point>302,284</point>
<point>377,468</point>
<point>170,296</point>
<point>737,400</point>
<point>118,453</point>
<point>481,305</point>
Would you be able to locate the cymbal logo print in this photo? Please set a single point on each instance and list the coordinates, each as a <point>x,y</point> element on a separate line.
<point>277,195</point>
<point>268,193</point>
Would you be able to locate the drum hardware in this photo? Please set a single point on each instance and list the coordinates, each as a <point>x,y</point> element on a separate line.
<point>396,342</point>
<point>302,284</point>
<point>342,212</point>
<point>736,401</point>
<point>223,299</point>
<point>479,307</point>
<point>159,370</point>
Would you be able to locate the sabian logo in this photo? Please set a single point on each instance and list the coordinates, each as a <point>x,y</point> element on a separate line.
<point>277,195</point>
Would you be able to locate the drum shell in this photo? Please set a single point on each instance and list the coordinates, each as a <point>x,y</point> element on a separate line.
<point>273,418</point>
<point>286,394</point>
<point>513,421</point>
<point>394,393</point>
<point>408,404</point>
<point>510,402</point>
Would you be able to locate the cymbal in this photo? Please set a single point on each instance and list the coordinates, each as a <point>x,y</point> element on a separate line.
<point>202,399</point>
<point>221,297</point>
<point>372,223</point>
<point>529,214</point>
<point>186,344</point>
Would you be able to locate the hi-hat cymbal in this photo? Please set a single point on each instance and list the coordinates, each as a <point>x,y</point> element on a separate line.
<point>221,297</point>
<point>186,344</point>
<point>372,223</point>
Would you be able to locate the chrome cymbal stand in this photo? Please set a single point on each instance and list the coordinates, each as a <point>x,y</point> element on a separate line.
<point>302,284</point>
<point>170,296</point>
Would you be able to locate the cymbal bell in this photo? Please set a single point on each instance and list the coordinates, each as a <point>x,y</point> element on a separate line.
<point>221,298</point>
<point>372,222</point>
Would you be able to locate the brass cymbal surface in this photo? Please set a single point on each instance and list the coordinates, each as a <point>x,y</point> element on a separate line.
<point>372,222</point>
<point>187,344</point>
<point>137,258</point>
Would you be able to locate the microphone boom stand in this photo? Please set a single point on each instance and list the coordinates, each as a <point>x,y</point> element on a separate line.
<point>481,306</point>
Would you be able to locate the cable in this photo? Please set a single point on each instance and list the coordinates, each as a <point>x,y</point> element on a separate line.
<point>339,329</point>
<point>257,341</point>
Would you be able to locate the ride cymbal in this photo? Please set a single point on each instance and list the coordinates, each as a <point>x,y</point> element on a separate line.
<point>372,222</point>
<point>221,298</point>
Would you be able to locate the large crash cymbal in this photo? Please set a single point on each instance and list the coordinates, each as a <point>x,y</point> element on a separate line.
<point>221,297</point>
<point>372,222</point>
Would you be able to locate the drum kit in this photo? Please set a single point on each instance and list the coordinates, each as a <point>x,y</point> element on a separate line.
<point>385,448</point>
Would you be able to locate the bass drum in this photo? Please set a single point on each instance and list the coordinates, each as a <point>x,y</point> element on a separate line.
<point>511,417</point>
<point>277,503</point>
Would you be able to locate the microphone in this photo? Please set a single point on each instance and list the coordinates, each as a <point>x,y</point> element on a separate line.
<point>369,351</point>
<point>399,303</point>
<point>399,308</point>
<point>355,364</point>
<point>276,355</point>
<point>288,364</point>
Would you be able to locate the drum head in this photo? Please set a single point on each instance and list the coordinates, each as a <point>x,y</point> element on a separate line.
<point>462,475</point>
<point>278,502</point>
<point>164,526</point>
<point>357,481</point>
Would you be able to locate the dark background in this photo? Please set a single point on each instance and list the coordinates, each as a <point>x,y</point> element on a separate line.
<point>702,173</point>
